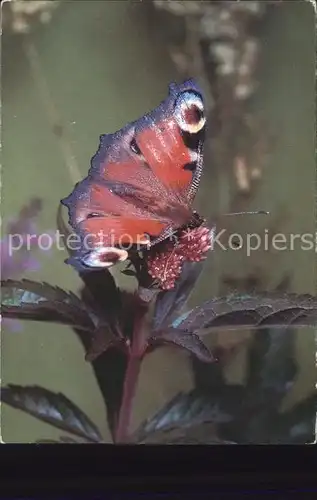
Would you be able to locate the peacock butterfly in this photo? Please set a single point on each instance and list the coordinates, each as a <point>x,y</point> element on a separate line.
<point>142,181</point>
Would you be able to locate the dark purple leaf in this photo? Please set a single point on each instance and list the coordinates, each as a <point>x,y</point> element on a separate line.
<point>42,302</point>
<point>169,304</point>
<point>40,313</point>
<point>30,300</point>
<point>189,341</point>
<point>53,408</point>
<point>41,290</point>
<point>271,371</point>
<point>109,369</point>
<point>186,414</point>
<point>186,409</point>
<point>253,310</point>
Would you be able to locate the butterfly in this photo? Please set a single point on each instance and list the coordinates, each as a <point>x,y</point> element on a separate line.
<point>142,182</point>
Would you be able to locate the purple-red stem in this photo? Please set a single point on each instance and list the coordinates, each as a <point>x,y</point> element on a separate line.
<point>131,379</point>
<point>129,390</point>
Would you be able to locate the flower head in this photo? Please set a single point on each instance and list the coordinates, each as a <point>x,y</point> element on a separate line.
<point>165,261</point>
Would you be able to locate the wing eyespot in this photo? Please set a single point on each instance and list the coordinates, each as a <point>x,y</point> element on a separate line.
<point>105,257</point>
<point>189,112</point>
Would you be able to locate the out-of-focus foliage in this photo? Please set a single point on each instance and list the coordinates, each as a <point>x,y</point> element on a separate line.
<point>219,44</point>
<point>21,15</point>
<point>19,246</point>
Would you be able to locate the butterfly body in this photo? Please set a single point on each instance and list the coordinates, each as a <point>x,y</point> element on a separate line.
<point>142,181</point>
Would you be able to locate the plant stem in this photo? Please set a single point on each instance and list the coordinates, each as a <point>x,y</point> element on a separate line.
<point>129,390</point>
<point>131,379</point>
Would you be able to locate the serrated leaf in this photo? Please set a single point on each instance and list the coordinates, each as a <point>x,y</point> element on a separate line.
<point>186,410</point>
<point>53,408</point>
<point>169,304</point>
<point>189,341</point>
<point>33,292</point>
<point>37,291</point>
<point>35,301</point>
<point>253,311</point>
<point>45,313</point>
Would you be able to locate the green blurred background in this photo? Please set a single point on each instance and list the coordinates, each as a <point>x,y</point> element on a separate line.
<point>103,67</point>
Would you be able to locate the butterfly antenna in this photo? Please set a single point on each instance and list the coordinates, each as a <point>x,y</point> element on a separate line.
<point>256,212</point>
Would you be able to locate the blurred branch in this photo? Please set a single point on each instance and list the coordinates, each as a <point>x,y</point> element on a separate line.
<point>54,116</point>
<point>195,60</point>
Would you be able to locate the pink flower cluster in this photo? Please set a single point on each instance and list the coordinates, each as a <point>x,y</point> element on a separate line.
<point>165,261</point>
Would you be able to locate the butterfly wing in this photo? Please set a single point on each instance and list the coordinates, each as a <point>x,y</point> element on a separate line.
<point>143,178</point>
<point>164,147</point>
<point>171,140</point>
<point>104,222</point>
